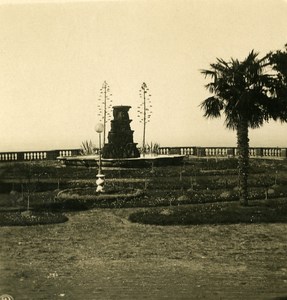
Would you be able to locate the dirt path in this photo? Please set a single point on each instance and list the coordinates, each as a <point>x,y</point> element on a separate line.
<point>98,254</point>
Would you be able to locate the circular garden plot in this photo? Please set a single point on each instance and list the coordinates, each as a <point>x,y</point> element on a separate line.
<point>84,198</point>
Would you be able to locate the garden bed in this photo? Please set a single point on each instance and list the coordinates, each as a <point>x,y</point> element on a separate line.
<point>195,181</point>
<point>29,218</point>
<point>84,198</point>
<point>214,213</point>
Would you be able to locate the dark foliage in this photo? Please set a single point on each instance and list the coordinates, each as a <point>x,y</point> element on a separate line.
<point>29,218</point>
<point>213,213</point>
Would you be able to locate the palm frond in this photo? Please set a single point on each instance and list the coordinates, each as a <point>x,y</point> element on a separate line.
<point>212,107</point>
<point>208,73</point>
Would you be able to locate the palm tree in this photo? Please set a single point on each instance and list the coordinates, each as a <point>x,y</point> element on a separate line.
<point>245,92</point>
<point>278,59</point>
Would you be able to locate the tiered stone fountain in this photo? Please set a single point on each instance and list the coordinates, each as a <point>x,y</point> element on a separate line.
<point>120,138</point>
<point>121,151</point>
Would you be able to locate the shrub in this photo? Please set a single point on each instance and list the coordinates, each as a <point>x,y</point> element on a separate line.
<point>69,205</point>
<point>28,218</point>
<point>213,213</point>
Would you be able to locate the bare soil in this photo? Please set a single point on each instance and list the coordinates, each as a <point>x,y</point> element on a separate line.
<point>99,254</point>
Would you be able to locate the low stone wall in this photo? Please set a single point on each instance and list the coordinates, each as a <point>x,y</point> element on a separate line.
<point>274,152</point>
<point>189,151</point>
<point>36,155</point>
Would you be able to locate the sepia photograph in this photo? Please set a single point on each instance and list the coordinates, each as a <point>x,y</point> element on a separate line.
<point>143,149</point>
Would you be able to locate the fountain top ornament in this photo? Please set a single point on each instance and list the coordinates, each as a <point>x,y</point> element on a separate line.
<point>120,138</point>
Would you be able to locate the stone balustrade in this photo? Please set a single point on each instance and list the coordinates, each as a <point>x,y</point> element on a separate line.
<point>189,151</point>
<point>272,152</point>
<point>36,155</point>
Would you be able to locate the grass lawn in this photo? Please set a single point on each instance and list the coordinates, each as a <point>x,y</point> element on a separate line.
<point>99,254</point>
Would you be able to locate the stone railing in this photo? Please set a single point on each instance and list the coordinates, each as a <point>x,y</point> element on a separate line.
<point>190,151</point>
<point>224,151</point>
<point>37,155</point>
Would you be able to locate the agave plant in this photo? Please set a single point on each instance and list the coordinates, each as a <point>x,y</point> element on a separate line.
<point>88,148</point>
<point>152,148</point>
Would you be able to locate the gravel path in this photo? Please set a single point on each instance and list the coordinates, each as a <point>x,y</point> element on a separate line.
<point>99,254</point>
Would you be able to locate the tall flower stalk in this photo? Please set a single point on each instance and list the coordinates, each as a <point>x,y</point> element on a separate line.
<point>144,111</point>
<point>104,107</point>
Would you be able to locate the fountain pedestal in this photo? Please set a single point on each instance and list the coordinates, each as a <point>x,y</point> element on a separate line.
<point>120,138</point>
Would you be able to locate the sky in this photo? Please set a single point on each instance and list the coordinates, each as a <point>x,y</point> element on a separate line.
<point>55,56</point>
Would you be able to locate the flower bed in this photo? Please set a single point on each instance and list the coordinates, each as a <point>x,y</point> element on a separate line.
<point>83,198</point>
<point>214,213</point>
<point>28,218</point>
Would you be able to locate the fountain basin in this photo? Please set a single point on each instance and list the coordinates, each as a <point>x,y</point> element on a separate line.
<point>143,161</point>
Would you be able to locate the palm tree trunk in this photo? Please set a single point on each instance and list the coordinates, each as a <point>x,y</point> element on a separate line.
<point>243,161</point>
